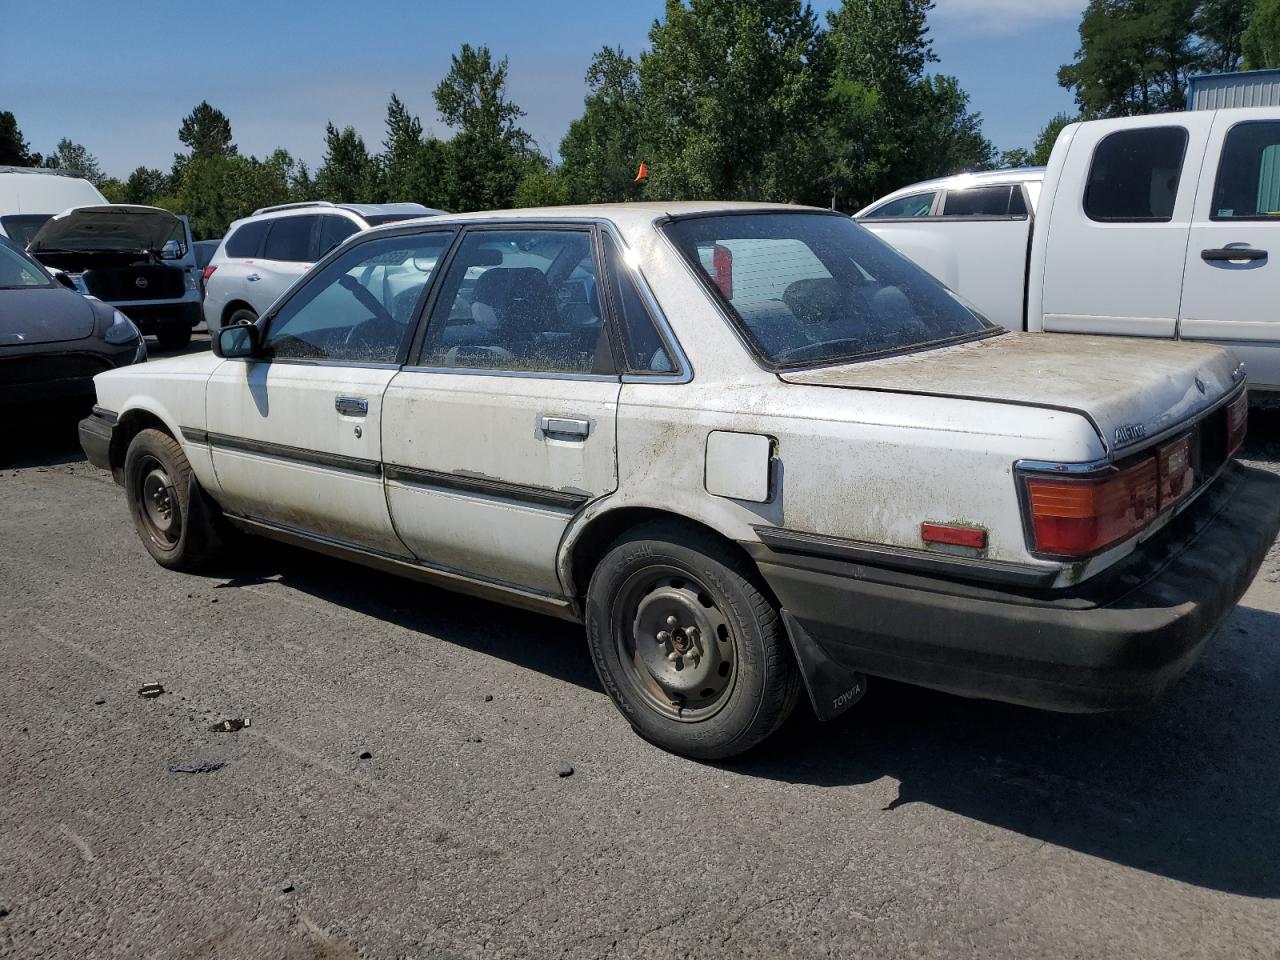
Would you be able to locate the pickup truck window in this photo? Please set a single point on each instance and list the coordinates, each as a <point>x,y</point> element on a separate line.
<point>520,300</point>
<point>1248,184</point>
<point>810,288</point>
<point>1134,175</point>
<point>361,308</point>
<point>916,205</point>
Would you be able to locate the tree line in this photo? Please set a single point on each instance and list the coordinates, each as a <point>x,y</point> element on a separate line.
<point>732,99</point>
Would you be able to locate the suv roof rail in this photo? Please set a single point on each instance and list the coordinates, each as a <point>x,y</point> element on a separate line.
<point>293,206</point>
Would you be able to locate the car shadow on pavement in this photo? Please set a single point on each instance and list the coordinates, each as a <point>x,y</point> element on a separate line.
<point>46,440</point>
<point>1188,788</point>
<point>556,648</point>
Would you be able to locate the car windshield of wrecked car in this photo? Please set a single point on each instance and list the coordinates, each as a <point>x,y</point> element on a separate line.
<point>811,288</point>
<point>18,270</point>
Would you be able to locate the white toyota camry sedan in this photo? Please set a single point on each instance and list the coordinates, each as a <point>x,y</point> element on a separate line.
<point>755,451</point>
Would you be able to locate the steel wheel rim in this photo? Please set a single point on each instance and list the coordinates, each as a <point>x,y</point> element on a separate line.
<point>158,506</point>
<point>685,670</point>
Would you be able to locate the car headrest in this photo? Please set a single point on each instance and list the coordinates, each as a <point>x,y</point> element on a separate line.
<point>514,299</point>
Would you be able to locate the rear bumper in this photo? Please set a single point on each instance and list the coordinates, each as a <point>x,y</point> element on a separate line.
<point>151,317</point>
<point>1100,646</point>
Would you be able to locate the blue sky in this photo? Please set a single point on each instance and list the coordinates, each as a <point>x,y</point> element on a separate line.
<point>119,76</point>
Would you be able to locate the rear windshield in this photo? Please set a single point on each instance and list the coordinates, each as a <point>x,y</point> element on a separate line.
<point>808,288</point>
<point>21,227</point>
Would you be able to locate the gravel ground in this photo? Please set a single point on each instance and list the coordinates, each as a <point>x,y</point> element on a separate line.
<point>918,825</point>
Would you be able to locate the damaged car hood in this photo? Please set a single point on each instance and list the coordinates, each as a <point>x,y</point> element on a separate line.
<point>112,226</point>
<point>1128,388</point>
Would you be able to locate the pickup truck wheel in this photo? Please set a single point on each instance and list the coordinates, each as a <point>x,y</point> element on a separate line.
<point>174,335</point>
<point>688,647</point>
<point>159,486</point>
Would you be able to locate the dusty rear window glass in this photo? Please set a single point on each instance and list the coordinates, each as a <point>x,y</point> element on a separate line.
<point>811,289</point>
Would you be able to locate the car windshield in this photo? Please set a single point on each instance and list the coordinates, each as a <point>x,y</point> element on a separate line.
<point>811,288</point>
<point>18,270</point>
<point>21,227</point>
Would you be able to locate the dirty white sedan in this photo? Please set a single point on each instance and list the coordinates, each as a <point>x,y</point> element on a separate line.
<point>751,448</point>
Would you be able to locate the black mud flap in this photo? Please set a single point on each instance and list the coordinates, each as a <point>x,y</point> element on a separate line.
<point>833,688</point>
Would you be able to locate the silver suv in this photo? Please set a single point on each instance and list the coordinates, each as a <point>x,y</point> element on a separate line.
<point>263,254</point>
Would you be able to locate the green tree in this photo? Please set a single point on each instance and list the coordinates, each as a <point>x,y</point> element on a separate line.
<point>1039,153</point>
<point>348,173</point>
<point>1261,39</point>
<point>890,122</point>
<point>145,185</point>
<point>1220,26</point>
<point>413,165</point>
<point>214,191</point>
<point>14,149</point>
<point>77,159</point>
<point>732,93</point>
<point>490,153</point>
<point>601,152</point>
<point>206,131</point>
<point>1134,57</point>
<point>542,188</point>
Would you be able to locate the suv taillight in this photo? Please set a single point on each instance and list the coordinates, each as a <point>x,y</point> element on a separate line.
<point>208,272</point>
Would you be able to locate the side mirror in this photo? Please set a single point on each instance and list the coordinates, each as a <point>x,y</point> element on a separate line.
<point>64,279</point>
<point>240,340</point>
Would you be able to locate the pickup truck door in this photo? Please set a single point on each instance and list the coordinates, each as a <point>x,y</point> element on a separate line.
<point>1231,285</point>
<point>1117,225</point>
<point>296,437</point>
<point>504,427</point>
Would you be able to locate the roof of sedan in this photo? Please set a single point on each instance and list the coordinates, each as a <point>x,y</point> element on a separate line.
<point>620,213</point>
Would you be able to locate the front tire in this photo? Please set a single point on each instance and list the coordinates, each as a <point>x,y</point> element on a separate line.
<point>687,645</point>
<point>178,533</point>
<point>243,315</point>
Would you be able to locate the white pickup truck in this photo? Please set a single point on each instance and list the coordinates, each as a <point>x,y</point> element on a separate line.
<point>1157,226</point>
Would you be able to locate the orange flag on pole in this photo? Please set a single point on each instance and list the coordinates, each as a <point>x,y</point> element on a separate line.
<point>642,174</point>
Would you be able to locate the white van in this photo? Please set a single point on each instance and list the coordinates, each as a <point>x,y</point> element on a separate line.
<point>1156,226</point>
<point>31,195</point>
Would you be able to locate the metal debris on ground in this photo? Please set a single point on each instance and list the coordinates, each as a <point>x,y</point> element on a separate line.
<point>230,726</point>
<point>197,766</point>
<point>150,690</point>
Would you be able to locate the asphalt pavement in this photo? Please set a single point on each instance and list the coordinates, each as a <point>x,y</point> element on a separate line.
<point>399,790</point>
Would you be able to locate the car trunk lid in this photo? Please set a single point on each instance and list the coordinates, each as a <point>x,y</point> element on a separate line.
<point>1129,389</point>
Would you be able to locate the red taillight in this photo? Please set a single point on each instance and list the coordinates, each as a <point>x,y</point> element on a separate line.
<point>722,269</point>
<point>1177,475</point>
<point>1237,422</point>
<point>208,272</point>
<point>1075,518</point>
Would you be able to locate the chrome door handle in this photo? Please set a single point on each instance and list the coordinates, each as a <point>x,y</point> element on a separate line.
<point>253,277</point>
<point>564,427</point>
<point>351,406</point>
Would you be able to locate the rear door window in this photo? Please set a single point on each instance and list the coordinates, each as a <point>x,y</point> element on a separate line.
<point>246,241</point>
<point>289,239</point>
<point>979,202</point>
<point>1248,184</point>
<point>1134,175</point>
<point>643,346</point>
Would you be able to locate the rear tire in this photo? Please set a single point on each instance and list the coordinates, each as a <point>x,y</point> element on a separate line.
<point>178,533</point>
<point>174,336</point>
<point>243,315</point>
<point>687,645</point>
